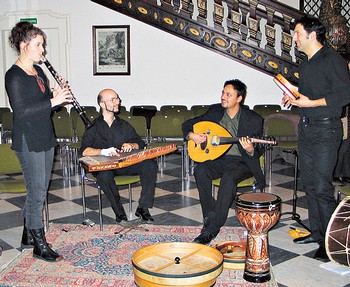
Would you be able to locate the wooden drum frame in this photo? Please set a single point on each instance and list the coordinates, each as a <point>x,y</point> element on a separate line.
<point>286,86</point>
<point>338,234</point>
<point>257,212</point>
<point>177,264</point>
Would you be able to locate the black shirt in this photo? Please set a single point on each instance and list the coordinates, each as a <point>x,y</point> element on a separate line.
<point>101,136</point>
<point>325,75</point>
<point>31,110</point>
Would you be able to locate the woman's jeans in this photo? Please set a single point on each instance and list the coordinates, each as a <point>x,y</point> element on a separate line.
<point>36,168</point>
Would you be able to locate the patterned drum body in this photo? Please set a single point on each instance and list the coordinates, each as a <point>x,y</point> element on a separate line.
<point>338,234</point>
<point>258,213</point>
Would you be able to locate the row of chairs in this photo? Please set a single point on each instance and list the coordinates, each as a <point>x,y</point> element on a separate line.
<point>9,165</point>
<point>166,109</point>
<point>270,109</point>
<point>147,111</point>
<point>154,138</point>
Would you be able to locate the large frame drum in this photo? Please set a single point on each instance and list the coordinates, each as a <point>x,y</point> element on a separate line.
<point>338,234</point>
<point>257,212</point>
<point>177,264</point>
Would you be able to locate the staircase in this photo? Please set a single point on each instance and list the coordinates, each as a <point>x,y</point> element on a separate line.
<point>254,32</point>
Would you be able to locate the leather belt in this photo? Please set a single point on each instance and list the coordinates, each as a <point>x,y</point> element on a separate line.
<point>307,120</point>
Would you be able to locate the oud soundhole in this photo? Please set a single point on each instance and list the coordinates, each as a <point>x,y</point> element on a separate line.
<point>203,145</point>
<point>206,150</point>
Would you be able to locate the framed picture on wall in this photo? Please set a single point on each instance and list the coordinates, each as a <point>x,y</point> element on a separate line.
<point>111,50</point>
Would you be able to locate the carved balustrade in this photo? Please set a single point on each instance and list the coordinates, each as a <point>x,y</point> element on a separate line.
<point>255,32</point>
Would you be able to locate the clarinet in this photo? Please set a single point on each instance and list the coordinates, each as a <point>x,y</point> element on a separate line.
<point>75,103</point>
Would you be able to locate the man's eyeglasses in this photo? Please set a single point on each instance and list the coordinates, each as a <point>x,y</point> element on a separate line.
<point>117,100</point>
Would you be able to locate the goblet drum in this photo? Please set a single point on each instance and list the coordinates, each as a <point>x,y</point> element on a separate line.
<point>258,213</point>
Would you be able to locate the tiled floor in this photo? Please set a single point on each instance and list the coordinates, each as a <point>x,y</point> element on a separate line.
<point>177,203</point>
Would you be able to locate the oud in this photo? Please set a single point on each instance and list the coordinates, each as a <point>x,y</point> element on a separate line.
<point>218,141</point>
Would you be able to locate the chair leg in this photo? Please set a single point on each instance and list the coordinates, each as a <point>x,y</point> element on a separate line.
<point>86,221</point>
<point>183,164</point>
<point>46,208</point>
<point>100,207</point>
<point>130,202</point>
<point>82,185</point>
<point>270,166</point>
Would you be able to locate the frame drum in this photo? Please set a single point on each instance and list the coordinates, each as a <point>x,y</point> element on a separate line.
<point>338,234</point>
<point>286,86</point>
<point>257,212</point>
<point>234,254</point>
<point>177,264</point>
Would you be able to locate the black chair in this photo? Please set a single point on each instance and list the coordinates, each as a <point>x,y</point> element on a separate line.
<point>139,124</point>
<point>265,110</point>
<point>167,130</point>
<point>199,109</point>
<point>147,111</point>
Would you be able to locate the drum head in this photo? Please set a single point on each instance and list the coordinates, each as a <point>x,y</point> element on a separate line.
<point>177,264</point>
<point>338,234</point>
<point>257,200</point>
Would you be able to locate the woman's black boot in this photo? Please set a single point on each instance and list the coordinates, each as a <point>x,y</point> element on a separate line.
<point>27,238</point>
<point>41,248</point>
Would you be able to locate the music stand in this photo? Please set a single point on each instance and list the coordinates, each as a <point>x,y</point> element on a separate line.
<point>295,216</point>
<point>282,127</point>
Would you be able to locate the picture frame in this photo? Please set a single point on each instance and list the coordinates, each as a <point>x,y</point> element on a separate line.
<point>111,50</point>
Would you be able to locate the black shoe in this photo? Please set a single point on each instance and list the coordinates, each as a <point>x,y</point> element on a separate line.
<point>143,212</point>
<point>121,218</point>
<point>305,240</point>
<point>321,254</point>
<point>204,238</point>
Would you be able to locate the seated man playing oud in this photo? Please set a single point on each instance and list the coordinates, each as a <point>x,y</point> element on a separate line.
<point>108,136</point>
<point>241,161</point>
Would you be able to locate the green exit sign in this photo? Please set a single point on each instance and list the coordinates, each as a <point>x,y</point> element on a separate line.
<point>30,20</point>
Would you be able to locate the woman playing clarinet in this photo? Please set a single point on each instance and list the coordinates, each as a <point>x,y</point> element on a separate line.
<point>33,137</point>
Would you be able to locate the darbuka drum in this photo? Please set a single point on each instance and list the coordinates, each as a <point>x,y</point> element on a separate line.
<point>177,264</point>
<point>338,234</point>
<point>257,212</point>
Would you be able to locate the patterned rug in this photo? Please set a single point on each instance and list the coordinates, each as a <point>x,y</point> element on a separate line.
<point>95,258</point>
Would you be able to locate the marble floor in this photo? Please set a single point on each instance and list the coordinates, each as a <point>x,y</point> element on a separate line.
<point>177,203</point>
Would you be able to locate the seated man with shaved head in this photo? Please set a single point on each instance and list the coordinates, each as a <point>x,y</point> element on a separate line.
<point>110,135</point>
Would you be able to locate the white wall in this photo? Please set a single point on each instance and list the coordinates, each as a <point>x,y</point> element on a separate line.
<point>164,69</point>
